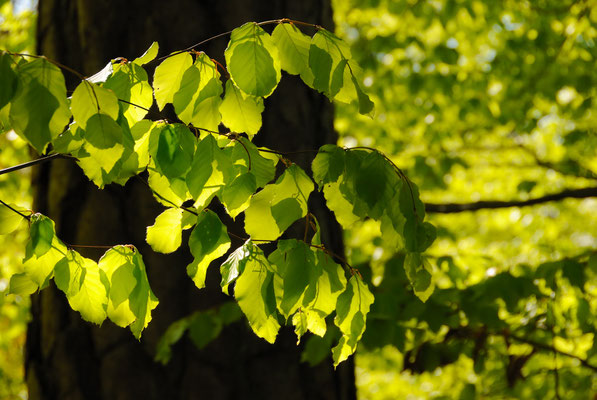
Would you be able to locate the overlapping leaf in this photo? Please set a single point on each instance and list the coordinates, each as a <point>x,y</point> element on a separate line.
<point>197,101</point>
<point>278,205</point>
<point>80,279</point>
<point>241,112</point>
<point>39,109</point>
<point>252,60</point>
<point>351,315</point>
<point>130,297</point>
<point>209,241</point>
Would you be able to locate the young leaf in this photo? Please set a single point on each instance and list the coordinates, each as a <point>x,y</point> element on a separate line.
<point>130,84</point>
<point>172,147</point>
<point>351,314</point>
<point>42,234</point>
<point>237,194</point>
<point>247,158</point>
<point>418,272</point>
<point>149,55</point>
<point>293,48</point>
<point>293,261</point>
<point>79,278</point>
<point>8,79</point>
<point>241,112</point>
<point>278,205</point>
<point>209,241</point>
<point>165,235</point>
<point>210,172</point>
<point>168,76</point>
<point>198,100</point>
<point>130,297</point>
<point>10,220</point>
<point>21,285</point>
<point>254,293</point>
<point>39,110</point>
<point>252,60</point>
<point>89,100</point>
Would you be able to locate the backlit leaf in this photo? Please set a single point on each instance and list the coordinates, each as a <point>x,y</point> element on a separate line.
<point>208,241</point>
<point>252,60</point>
<point>351,313</point>
<point>254,293</point>
<point>39,111</point>
<point>168,77</point>
<point>241,112</point>
<point>165,235</point>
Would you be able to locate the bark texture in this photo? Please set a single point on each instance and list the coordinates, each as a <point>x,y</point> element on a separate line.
<point>67,358</point>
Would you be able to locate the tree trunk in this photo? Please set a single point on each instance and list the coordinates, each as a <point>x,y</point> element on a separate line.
<point>67,358</point>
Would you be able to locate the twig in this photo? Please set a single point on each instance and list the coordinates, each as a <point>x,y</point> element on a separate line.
<point>34,162</point>
<point>27,217</point>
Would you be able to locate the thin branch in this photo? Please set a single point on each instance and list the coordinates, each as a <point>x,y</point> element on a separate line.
<point>27,217</point>
<point>34,162</point>
<point>546,347</point>
<point>488,204</point>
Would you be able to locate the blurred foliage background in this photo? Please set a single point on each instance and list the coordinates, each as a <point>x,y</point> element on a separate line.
<point>17,33</point>
<point>475,100</point>
<point>482,100</point>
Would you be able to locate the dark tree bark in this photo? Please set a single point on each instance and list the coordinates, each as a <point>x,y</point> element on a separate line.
<point>67,358</point>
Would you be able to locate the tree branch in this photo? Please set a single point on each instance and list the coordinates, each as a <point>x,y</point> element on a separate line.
<point>33,162</point>
<point>488,204</point>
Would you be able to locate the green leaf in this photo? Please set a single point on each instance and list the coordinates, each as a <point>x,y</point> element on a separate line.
<point>241,112</point>
<point>89,100</point>
<point>169,192</point>
<point>172,147</point>
<point>21,285</point>
<point>328,164</point>
<point>210,172</point>
<point>365,103</point>
<point>138,160</point>
<point>418,271</point>
<point>320,63</point>
<point>10,220</point>
<point>209,241</point>
<point>293,49</point>
<point>254,293</point>
<point>130,297</point>
<point>198,100</point>
<point>247,157</point>
<point>252,60</point>
<point>79,278</point>
<point>165,235</point>
<point>107,144</point>
<point>39,111</point>
<point>236,262</point>
<point>292,262</point>
<point>42,234</point>
<point>278,205</point>
<point>237,194</point>
<point>168,77</point>
<point>129,83</point>
<point>172,335</point>
<point>8,79</point>
<point>149,55</point>
<point>351,313</point>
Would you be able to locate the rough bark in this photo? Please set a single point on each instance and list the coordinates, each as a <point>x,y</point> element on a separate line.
<point>67,358</point>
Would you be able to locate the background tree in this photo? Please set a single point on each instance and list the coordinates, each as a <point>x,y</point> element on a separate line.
<point>67,358</point>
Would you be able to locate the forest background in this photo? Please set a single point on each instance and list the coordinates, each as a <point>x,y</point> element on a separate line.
<point>489,108</point>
